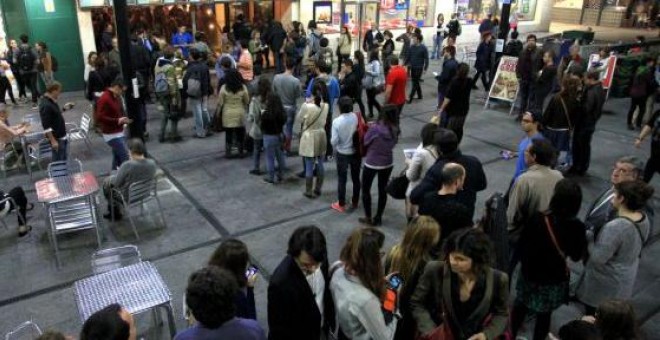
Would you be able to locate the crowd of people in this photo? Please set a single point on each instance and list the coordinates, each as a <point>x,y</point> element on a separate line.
<point>441,280</point>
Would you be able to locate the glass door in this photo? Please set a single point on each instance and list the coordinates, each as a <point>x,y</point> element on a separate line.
<point>360,17</point>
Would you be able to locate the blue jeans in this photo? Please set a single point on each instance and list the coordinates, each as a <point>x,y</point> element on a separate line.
<point>256,153</point>
<point>61,153</point>
<point>119,152</point>
<point>437,47</point>
<point>290,118</point>
<point>201,112</point>
<point>273,147</point>
<point>309,166</point>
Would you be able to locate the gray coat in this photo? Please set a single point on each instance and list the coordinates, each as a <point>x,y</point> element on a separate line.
<point>613,261</point>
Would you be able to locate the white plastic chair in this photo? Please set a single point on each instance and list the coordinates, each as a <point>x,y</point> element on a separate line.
<point>64,168</point>
<point>77,132</point>
<point>139,193</point>
<point>468,55</point>
<point>26,330</point>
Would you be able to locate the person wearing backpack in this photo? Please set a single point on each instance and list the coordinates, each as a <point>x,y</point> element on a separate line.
<point>454,27</point>
<point>343,140</point>
<point>167,93</point>
<point>325,53</point>
<point>46,64</point>
<point>197,87</point>
<point>313,39</point>
<point>27,62</point>
<point>613,261</point>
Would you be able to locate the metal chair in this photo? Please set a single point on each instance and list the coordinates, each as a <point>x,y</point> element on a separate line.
<point>6,204</point>
<point>468,55</point>
<point>4,155</point>
<point>64,168</point>
<point>41,151</point>
<point>71,216</point>
<point>80,132</point>
<point>139,193</point>
<point>26,330</point>
<point>114,258</point>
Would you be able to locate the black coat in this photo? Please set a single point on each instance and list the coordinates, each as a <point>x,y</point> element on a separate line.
<point>292,310</point>
<point>484,53</point>
<point>449,69</point>
<point>350,86</point>
<point>475,180</point>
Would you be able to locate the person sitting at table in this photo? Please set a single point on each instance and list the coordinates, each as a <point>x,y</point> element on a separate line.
<point>210,296</point>
<point>138,168</point>
<point>110,323</point>
<point>53,122</point>
<point>18,196</point>
<point>8,140</point>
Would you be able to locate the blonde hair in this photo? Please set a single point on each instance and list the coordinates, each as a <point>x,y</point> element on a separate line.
<point>414,250</point>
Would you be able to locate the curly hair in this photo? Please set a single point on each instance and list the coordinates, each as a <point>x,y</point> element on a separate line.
<point>473,243</point>
<point>233,256</point>
<point>361,255</point>
<point>233,81</point>
<point>210,296</point>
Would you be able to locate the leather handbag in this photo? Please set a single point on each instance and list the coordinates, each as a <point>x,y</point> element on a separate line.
<point>398,185</point>
<point>442,332</point>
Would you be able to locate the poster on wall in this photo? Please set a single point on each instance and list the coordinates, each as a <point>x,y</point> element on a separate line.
<point>402,4</point>
<point>323,12</point>
<point>605,67</point>
<point>505,83</point>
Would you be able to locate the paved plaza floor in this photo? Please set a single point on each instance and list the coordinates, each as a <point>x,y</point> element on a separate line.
<point>208,198</point>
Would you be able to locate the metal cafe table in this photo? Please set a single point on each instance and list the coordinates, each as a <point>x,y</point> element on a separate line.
<point>70,204</point>
<point>138,288</point>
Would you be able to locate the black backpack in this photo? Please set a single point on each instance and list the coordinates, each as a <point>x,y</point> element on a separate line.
<point>26,59</point>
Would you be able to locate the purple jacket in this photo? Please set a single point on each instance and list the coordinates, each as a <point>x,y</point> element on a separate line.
<point>379,141</point>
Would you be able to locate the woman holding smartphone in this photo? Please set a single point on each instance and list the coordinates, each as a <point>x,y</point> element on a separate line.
<point>233,255</point>
<point>408,259</point>
<point>357,285</point>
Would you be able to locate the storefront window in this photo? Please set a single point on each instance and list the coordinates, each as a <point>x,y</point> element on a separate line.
<point>397,13</point>
<point>474,11</point>
<point>327,15</point>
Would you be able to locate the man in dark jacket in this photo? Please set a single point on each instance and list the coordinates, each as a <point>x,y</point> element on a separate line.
<point>475,179</point>
<point>27,63</point>
<point>592,100</point>
<point>449,68</point>
<point>486,25</point>
<point>198,72</point>
<point>418,62</point>
<point>349,84</point>
<point>545,80</point>
<point>372,38</point>
<point>529,64</point>
<point>52,121</point>
<point>240,29</point>
<point>298,291</point>
<point>142,62</point>
<point>275,41</point>
<point>484,62</point>
<point>514,46</point>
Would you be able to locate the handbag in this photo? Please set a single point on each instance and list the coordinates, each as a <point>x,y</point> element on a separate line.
<point>398,185</point>
<point>442,332</point>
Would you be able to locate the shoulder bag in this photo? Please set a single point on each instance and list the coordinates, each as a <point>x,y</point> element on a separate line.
<point>561,253</point>
<point>398,185</point>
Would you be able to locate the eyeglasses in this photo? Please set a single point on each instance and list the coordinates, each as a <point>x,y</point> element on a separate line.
<point>623,171</point>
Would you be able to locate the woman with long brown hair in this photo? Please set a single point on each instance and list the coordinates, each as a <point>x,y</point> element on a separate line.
<point>357,285</point>
<point>561,113</point>
<point>408,259</point>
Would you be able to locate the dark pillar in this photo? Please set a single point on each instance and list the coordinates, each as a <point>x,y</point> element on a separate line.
<point>124,44</point>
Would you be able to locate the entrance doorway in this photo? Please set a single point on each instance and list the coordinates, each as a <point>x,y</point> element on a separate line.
<point>359,17</point>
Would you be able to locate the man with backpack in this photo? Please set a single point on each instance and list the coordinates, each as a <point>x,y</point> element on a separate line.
<point>325,53</point>
<point>27,63</point>
<point>167,92</point>
<point>345,141</point>
<point>454,28</point>
<point>197,86</point>
<point>313,38</point>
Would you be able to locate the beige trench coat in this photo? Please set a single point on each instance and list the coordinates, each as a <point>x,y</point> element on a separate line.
<point>313,140</point>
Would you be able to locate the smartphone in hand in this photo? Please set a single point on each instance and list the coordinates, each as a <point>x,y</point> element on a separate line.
<point>394,283</point>
<point>251,271</point>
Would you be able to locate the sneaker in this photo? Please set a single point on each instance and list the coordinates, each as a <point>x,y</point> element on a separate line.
<point>35,106</point>
<point>338,207</point>
<point>24,230</point>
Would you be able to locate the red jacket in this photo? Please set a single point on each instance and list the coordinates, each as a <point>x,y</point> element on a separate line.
<point>108,112</point>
